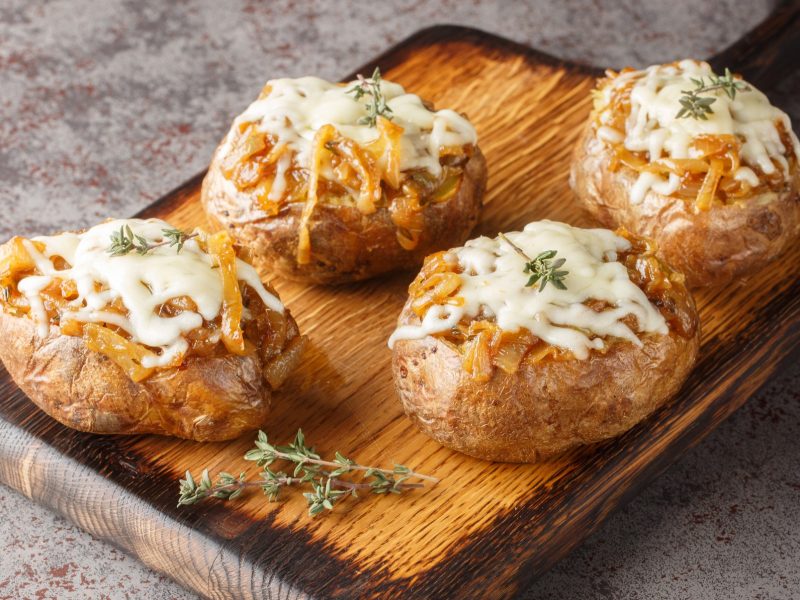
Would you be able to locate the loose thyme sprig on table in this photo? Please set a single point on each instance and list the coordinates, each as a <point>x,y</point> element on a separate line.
<point>540,268</point>
<point>324,477</point>
<point>125,241</point>
<point>377,106</point>
<point>697,107</point>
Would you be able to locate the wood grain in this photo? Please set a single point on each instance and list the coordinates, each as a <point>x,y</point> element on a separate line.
<point>488,529</point>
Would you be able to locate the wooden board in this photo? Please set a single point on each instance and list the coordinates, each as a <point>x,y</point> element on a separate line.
<point>487,529</point>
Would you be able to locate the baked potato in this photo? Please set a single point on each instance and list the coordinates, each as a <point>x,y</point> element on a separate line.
<point>518,348</point>
<point>701,163</point>
<point>330,183</point>
<point>136,327</point>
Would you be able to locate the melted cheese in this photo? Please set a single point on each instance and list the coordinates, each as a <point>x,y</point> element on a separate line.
<point>295,109</point>
<point>140,282</point>
<point>493,285</point>
<point>652,125</point>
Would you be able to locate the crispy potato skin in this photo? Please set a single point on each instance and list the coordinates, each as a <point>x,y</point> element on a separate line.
<point>346,245</point>
<point>710,247</point>
<point>206,399</point>
<point>543,409</point>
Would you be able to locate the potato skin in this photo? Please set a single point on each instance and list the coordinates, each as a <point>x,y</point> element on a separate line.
<point>346,245</point>
<point>206,399</point>
<point>710,247</point>
<point>543,409</point>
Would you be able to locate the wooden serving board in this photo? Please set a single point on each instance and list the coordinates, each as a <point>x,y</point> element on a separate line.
<point>487,529</point>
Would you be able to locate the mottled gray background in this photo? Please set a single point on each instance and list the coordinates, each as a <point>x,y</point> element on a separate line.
<point>105,106</point>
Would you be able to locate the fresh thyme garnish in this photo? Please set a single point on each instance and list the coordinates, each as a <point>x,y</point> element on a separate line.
<point>324,477</point>
<point>125,241</point>
<point>176,237</point>
<point>377,106</point>
<point>540,268</point>
<point>697,107</point>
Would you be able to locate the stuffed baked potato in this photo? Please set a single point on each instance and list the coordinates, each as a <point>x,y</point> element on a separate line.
<point>701,163</point>
<point>518,348</point>
<point>329,183</point>
<point>135,327</point>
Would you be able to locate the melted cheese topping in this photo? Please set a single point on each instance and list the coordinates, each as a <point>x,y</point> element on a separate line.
<point>295,109</point>
<point>493,285</point>
<point>141,282</point>
<point>652,125</point>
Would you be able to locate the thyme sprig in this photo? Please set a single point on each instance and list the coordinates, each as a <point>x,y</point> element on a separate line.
<point>125,241</point>
<point>541,269</point>
<point>698,107</point>
<point>377,106</point>
<point>324,477</point>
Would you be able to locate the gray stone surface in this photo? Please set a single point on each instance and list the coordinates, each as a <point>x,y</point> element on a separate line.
<point>105,106</point>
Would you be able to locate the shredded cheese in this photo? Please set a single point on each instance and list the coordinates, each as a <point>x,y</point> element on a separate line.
<point>652,126</point>
<point>493,285</point>
<point>294,110</point>
<point>141,282</point>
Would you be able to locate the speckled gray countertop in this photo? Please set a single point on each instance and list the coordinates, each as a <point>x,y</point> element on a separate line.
<point>105,106</point>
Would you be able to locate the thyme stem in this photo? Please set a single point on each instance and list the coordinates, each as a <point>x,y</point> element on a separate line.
<point>285,482</point>
<point>516,248</point>
<point>354,466</point>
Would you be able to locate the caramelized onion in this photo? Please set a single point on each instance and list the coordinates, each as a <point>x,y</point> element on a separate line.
<point>484,345</point>
<point>708,176</point>
<point>369,176</point>
<point>390,136</point>
<point>126,354</point>
<point>220,247</point>
<point>14,260</point>
<point>709,188</point>
<point>268,331</point>
<point>477,358</point>
<point>325,134</point>
<point>278,369</point>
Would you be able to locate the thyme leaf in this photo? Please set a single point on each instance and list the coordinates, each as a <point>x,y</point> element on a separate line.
<point>541,269</point>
